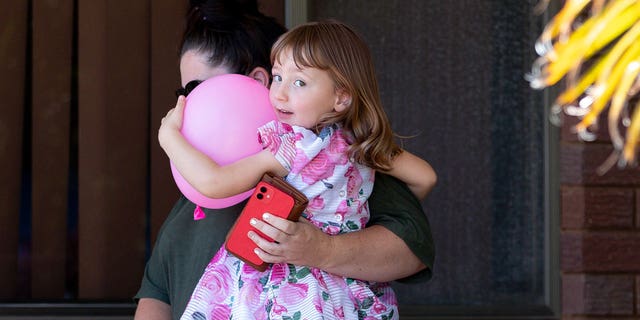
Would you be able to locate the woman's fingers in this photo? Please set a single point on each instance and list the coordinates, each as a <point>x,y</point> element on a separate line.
<point>295,242</point>
<point>273,231</point>
<point>284,225</point>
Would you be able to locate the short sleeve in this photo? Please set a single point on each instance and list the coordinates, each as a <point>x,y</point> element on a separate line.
<point>153,283</point>
<point>154,280</point>
<point>393,206</point>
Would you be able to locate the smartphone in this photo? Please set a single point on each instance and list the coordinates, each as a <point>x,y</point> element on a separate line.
<point>272,195</point>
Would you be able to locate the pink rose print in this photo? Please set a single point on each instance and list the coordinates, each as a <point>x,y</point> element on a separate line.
<point>338,312</point>
<point>219,255</point>
<point>317,169</point>
<point>288,151</point>
<point>269,138</point>
<point>317,303</point>
<point>363,221</point>
<point>279,271</point>
<point>342,209</point>
<point>249,272</point>
<point>362,292</point>
<point>340,282</point>
<point>278,308</point>
<point>354,182</point>
<point>284,128</point>
<point>220,312</point>
<point>332,230</point>
<point>317,273</point>
<point>216,281</point>
<point>338,148</point>
<point>299,162</point>
<point>363,208</point>
<point>260,314</point>
<point>379,308</point>
<point>292,293</point>
<point>316,204</point>
<point>273,134</point>
<point>250,292</point>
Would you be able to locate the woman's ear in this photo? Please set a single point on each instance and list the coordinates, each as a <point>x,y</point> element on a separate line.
<point>261,75</point>
<point>343,101</point>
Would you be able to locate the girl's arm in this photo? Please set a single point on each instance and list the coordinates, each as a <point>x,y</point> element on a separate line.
<point>201,172</point>
<point>415,172</point>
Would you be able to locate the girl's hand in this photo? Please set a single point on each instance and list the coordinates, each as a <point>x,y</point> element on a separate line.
<point>299,243</point>
<point>172,122</point>
<point>173,119</point>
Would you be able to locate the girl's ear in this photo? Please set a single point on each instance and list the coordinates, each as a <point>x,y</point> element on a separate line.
<point>261,75</point>
<point>343,101</point>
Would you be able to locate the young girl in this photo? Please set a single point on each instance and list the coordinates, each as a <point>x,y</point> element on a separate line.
<point>330,136</point>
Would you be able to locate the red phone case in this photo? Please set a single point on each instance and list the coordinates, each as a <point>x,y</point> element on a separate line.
<point>271,195</point>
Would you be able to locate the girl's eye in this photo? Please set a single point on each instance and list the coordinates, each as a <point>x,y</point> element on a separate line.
<point>277,78</point>
<point>299,83</point>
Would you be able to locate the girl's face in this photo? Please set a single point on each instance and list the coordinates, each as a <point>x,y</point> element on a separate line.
<point>194,66</point>
<point>301,96</point>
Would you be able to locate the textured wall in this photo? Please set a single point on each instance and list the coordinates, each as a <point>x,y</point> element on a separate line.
<point>451,73</point>
<point>600,232</point>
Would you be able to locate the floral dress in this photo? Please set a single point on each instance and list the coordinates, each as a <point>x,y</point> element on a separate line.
<point>337,189</point>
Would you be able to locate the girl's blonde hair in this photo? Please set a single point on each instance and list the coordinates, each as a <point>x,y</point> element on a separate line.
<point>336,48</point>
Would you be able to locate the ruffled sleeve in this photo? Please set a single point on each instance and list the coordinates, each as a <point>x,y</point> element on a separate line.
<point>280,139</point>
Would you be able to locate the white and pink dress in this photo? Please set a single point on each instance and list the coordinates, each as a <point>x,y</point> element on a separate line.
<point>337,188</point>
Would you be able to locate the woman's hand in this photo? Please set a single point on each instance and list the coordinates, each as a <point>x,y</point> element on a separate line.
<point>372,254</point>
<point>299,243</point>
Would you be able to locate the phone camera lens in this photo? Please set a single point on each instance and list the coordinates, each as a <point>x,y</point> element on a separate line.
<point>259,196</point>
<point>263,189</point>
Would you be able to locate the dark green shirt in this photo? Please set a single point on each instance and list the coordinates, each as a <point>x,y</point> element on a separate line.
<point>184,247</point>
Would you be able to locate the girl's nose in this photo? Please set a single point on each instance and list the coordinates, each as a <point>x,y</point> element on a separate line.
<point>278,92</point>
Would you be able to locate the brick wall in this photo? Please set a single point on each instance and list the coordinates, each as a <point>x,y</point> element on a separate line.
<point>600,237</point>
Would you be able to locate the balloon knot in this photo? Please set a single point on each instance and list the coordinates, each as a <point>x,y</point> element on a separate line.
<point>198,214</point>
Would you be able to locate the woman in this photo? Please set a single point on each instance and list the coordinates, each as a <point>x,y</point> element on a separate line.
<point>233,37</point>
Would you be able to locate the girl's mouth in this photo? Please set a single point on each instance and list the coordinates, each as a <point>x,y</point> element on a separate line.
<point>283,111</point>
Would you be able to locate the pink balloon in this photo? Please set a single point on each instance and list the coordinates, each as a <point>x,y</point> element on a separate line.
<point>221,119</point>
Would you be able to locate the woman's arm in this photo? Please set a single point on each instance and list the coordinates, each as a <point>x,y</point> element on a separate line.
<point>152,309</point>
<point>372,254</point>
<point>204,174</point>
<point>397,242</point>
<point>415,172</point>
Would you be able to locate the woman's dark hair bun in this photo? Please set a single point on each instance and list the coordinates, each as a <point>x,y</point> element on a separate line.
<point>196,3</point>
<point>222,11</point>
<point>233,33</point>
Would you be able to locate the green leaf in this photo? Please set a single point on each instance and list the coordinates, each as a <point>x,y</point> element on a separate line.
<point>292,269</point>
<point>366,303</point>
<point>303,272</point>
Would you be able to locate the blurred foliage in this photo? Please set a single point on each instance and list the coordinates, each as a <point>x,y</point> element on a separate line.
<point>594,45</point>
